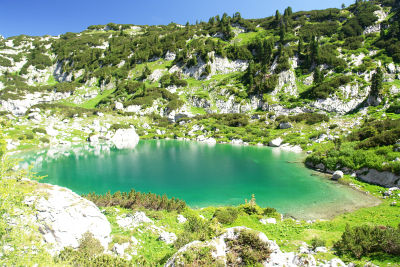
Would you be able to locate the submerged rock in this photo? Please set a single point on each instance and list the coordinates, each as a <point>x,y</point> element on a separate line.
<point>125,138</point>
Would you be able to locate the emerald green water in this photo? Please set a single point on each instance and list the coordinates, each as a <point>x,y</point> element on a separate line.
<point>200,174</point>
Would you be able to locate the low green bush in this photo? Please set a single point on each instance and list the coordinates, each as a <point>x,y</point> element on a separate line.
<point>364,240</point>
<point>226,215</point>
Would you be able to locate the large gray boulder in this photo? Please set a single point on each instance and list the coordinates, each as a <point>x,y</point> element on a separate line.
<point>285,125</point>
<point>63,217</point>
<point>125,138</point>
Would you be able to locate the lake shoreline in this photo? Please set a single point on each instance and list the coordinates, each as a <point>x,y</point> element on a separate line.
<point>316,212</point>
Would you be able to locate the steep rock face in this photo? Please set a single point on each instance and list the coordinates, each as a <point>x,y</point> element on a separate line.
<point>386,179</point>
<point>231,106</point>
<point>345,100</point>
<point>19,107</point>
<point>286,83</point>
<point>63,217</point>
<point>218,65</point>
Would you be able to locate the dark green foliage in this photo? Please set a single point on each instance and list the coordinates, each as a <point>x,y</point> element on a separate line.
<point>226,215</point>
<point>364,17</point>
<point>172,79</point>
<point>316,242</point>
<point>233,120</point>
<point>309,118</point>
<point>89,253</point>
<point>238,52</point>
<point>134,200</point>
<point>5,62</point>
<point>353,43</point>
<point>249,248</point>
<point>39,130</point>
<point>377,83</point>
<point>383,139</point>
<point>44,140</point>
<point>364,240</point>
<point>89,245</point>
<point>115,127</point>
<point>195,228</point>
<point>323,90</point>
<point>38,59</point>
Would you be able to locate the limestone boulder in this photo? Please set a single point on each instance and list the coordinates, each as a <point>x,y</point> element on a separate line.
<point>276,142</point>
<point>63,217</point>
<point>125,138</point>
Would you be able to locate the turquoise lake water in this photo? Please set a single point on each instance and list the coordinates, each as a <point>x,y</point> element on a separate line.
<point>200,174</point>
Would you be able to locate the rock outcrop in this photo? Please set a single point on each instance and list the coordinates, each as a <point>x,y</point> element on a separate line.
<point>385,178</point>
<point>220,248</point>
<point>63,217</point>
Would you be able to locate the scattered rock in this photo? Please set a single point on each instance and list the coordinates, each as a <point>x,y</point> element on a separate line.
<point>168,238</point>
<point>181,219</point>
<point>132,221</point>
<point>285,125</point>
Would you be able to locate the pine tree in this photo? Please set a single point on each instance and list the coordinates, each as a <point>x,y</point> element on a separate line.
<point>277,15</point>
<point>318,76</point>
<point>300,46</point>
<point>377,83</point>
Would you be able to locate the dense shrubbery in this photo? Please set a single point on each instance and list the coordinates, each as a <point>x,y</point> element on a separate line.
<point>364,240</point>
<point>309,118</point>
<point>196,228</point>
<point>172,79</point>
<point>226,215</point>
<point>135,200</point>
<point>249,248</point>
<point>89,253</point>
<point>233,120</point>
<point>326,88</point>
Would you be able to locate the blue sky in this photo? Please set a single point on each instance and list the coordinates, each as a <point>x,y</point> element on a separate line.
<point>41,17</point>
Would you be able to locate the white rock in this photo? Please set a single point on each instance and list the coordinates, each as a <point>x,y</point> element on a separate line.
<point>321,249</point>
<point>125,138</point>
<point>63,217</point>
<point>132,221</point>
<point>119,249</point>
<point>269,220</point>
<point>181,218</point>
<point>168,238</point>
<point>118,105</point>
<point>276,142</point>
<point>237,142</point>
<point>337,175</point>
<point>94,138</point>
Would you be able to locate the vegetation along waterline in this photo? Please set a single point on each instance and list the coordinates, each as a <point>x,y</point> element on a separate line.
<point>325,82</point>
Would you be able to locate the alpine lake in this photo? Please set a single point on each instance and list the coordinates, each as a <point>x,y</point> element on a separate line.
<point>201,174</point>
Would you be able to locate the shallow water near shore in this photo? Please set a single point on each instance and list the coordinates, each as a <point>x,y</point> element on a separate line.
<point>202,175</point>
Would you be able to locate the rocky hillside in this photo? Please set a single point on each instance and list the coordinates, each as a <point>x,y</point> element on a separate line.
<point>323,81</point>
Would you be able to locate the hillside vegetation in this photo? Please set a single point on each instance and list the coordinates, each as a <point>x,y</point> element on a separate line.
<point>323,81</point>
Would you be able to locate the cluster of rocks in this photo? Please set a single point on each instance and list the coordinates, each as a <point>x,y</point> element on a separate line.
<point>220,248</point>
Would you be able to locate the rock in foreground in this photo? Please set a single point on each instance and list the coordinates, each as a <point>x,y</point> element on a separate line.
<point>63,217</point>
